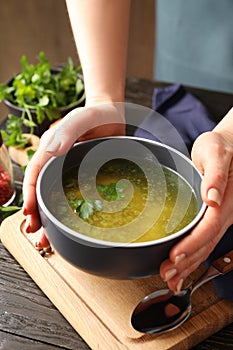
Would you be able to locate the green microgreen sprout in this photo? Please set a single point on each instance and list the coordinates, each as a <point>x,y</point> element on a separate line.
<point>37,89</point>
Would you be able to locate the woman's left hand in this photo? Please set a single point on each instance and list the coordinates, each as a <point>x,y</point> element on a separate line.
<point>80,124</point>
<point>212,153</point>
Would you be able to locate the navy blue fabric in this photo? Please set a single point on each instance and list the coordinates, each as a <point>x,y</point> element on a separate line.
<point>190,118</point>
<point>185,112</point>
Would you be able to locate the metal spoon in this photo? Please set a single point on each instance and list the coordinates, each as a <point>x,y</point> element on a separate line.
<point>165,310</point>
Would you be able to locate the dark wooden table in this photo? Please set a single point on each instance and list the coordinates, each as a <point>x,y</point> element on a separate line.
<point>28,320</point>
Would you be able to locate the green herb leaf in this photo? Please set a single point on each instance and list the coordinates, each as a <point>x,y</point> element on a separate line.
<point>13,136</point>
<point>30,153</point>
<point>85,208</point>
<point>79,87</point>
<point>7,211</point>
<point>113,191</point>
<point>77,203</point>
<point>36,88</point>
<point>29,123</point>
<point>40,115</point>
<point>43,101</point>
<point>97,205</point>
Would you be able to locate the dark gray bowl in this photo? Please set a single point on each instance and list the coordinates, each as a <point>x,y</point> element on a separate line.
<point>113,260</point>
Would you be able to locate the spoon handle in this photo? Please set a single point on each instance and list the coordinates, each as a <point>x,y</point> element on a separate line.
<point>218,267</point>
<point>225,263</point>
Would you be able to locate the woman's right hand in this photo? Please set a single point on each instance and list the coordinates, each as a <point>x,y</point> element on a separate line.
<point>78,125</point>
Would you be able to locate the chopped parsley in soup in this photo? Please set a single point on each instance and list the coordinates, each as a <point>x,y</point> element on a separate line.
<point>144,205</point>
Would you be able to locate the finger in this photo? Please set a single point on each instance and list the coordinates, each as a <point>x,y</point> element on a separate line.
<point>33,222</point>
<point>191,251</point>
<point>65,133</point>
<point>216,174</point>
<point>108,130</point>
<point>176,282</point>
<point>212,156</point>
<point>43,241</point>
<point>175,274</point>
<point>183,265</point>
<point>54,141</point>
<point>60,138</point>
<point>32,172</point>
<point>85,123</point>
<point>203,237</point>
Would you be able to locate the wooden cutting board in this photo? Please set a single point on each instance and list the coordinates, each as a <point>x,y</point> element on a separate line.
<point>100,309</point>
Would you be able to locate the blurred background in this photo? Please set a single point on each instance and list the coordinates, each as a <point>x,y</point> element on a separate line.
<point>30,26</point>
<point>193,44</point>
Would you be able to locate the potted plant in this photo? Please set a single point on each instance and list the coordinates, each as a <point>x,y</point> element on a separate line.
<point>38,95</point>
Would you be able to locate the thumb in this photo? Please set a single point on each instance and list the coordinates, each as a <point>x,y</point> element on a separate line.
<point>64,134</point>
<point>212,158</point>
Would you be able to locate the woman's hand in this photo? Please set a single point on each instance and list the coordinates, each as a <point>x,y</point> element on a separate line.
<point>80,124</point>
<point>102,50</point>
<point>212,153</point>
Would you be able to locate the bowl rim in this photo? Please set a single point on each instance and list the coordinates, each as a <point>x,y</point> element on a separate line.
<point>79,237</point>
<point>73,105</point>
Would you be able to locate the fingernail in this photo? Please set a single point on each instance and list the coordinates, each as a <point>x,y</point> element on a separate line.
<point>28,229</point>
<point>214,196</point>
<point>169,274</point>
<point>25,211</point>
<point>38,245</point>
<point>27,226</point>
<point>179,285</point>
<point>179,258</point>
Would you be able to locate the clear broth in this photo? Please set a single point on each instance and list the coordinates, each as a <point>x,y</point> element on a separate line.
<point>162,208</point>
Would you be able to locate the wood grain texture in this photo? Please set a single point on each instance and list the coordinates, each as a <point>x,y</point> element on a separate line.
<point>30,26</point>
<point>140,91</point>
<point>10,341</point>
<point>99,309</point>
<point>11,274</point>
<point>224,264</point>
<point>141,45</point>
<point>16,285</point>
<point>25,312</point>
